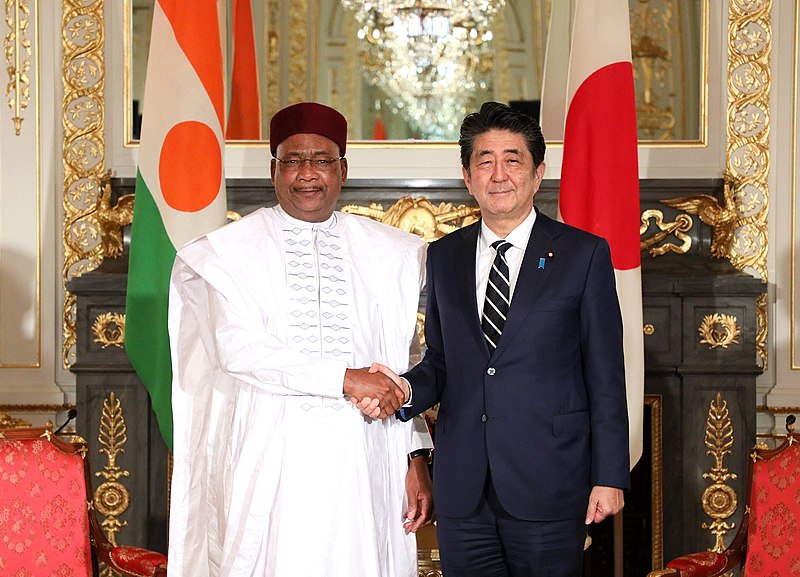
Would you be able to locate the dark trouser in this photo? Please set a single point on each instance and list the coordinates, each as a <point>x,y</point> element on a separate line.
<point>493,543</point>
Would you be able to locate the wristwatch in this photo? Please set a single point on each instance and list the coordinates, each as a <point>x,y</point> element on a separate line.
<point>420,453</point>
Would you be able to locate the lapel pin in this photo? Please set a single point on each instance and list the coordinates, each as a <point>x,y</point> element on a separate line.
<point>544,259</point>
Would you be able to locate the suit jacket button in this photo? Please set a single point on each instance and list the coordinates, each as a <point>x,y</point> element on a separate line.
<point>491,371</point>
<point>484,418</point>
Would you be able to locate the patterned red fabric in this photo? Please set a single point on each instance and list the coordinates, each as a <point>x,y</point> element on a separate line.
<point>697,564</point>
<point>44,528</point>
<point>138,561</point>
<point>773,540</point>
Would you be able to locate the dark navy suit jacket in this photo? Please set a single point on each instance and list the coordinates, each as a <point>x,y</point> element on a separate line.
<point>546,413</point>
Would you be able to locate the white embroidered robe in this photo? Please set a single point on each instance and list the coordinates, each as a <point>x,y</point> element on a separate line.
<point>275,473</point>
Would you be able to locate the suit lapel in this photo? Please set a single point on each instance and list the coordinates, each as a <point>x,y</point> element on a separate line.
<point>464,282</point>
<point>531,278</point>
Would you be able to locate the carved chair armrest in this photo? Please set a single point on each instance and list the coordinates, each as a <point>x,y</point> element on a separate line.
<point>703,564</point>
<point>138,562</point>
<point>127,561</point>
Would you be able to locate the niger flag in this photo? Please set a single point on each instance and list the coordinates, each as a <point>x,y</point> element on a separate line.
<point>180,187</point>
<point>600,169</point>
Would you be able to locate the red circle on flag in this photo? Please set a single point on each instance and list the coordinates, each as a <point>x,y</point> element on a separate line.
<point>190,166</point>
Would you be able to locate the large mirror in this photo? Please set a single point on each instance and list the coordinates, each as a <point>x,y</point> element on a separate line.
<point>408,70</point>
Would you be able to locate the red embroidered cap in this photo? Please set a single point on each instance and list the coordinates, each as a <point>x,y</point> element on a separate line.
<point>308,118</point>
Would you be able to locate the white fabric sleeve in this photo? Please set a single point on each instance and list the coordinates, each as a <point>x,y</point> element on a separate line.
<point>248,352</point>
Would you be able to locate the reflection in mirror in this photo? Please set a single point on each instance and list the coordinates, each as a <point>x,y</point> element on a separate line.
<point>405,70</point>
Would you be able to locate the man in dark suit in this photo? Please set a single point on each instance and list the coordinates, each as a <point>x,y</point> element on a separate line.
<point>532,431</point>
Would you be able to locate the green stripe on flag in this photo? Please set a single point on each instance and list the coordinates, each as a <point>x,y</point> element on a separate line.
<point>146,334</point>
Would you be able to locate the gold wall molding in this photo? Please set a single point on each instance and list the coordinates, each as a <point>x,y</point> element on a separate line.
<point>719,499</point>
<point>83,74</point>
<point>719,330</point>
<point>657,478</point>
<point>109,330</point>
<point>112,498</point>
<point>18,59</point>
<point>37,408</point>
<point>678,227</point>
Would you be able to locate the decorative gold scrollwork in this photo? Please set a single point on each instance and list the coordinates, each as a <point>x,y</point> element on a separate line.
<point>109,329</point>
<point>112,497</point>
<point>420,216</point>
<point>18,59</point>
<point>83,119</point>
<point>679,227</point>
<point>748,129</point>
<point>719,330</point>
<point>719,499</point>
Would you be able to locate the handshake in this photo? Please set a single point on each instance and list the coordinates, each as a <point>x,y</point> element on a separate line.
<point>378,391</point>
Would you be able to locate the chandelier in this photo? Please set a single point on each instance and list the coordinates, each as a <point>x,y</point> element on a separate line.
<point>427,56</point>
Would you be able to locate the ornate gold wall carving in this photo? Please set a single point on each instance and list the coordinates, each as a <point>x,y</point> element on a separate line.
<point>678,227</point>
<point>747,157</point>
<point>719,499</point>
<point>113,218</point>
<point>719,330</point>
<point>112,498</point>
<point>18,59</point>
<point>83,70</point>
<point>722,218</point>
<point>109,330</point>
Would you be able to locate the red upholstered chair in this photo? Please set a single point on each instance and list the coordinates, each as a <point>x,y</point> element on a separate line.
<point>767,543</point>
<point>48,525</point>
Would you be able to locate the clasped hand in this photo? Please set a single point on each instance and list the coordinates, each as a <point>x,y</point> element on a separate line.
<point>377,391</point>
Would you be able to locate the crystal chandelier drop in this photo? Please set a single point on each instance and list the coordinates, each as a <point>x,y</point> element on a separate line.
<point>427,56</point>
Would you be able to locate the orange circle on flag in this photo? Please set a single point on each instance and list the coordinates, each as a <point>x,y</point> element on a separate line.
<point>190,166</point>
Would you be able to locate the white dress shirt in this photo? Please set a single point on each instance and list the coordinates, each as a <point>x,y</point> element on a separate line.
<point>484,256</point>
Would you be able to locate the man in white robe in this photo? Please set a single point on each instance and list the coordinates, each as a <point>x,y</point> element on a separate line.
<point>275,472</point>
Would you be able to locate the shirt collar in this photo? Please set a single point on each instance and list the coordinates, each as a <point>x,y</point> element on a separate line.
<point>518,237</point>
<point>283,215</point>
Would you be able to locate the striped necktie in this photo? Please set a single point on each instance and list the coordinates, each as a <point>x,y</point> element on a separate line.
<point>498,289</point>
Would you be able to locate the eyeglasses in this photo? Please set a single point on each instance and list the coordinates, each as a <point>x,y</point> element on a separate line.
<point>323,164</point>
